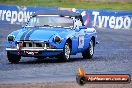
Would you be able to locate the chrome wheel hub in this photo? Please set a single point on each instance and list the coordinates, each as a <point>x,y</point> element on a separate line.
<point>67,51</point>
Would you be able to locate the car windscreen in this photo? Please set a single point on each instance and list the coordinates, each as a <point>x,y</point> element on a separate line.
<point>50,21</point>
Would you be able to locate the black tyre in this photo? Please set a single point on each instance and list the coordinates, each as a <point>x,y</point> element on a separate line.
<point>88,53</point>
<point>65,55</point>
<point>13,58</point>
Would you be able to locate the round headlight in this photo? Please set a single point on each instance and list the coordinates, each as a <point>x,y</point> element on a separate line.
<point>10,38</point>
<point>57,39</point>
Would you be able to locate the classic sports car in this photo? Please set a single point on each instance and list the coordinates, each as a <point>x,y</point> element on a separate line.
<point>52,34</point>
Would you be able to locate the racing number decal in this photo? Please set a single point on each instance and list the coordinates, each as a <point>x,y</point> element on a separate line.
<point>81,41</point>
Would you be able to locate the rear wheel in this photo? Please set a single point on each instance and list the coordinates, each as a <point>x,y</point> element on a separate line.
<point>13,58</point>
<point>88,53</point>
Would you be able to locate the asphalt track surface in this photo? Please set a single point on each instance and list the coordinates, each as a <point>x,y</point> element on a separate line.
<point>113,55</point>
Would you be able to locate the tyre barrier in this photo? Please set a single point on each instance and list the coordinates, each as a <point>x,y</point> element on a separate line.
<point>109,19</point>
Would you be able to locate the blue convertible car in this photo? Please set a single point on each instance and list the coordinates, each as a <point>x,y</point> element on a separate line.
<point>52,34</point>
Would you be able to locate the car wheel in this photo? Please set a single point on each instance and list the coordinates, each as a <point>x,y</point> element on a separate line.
<point>88,53</point>
<point>66,52</point>
<point>13,58</point>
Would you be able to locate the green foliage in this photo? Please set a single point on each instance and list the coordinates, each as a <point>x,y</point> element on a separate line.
<point>72,4</point>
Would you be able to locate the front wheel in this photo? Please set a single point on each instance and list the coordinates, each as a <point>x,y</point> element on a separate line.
<point>65,56</point>
<point>88,53</point>
<point>13,58</point>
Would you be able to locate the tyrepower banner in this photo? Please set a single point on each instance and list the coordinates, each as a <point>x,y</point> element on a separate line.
<point>18,14</point>
<point>101,19</point>
<point>110,19</point>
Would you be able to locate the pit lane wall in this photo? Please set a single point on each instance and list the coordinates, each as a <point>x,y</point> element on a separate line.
<point>102,19</point>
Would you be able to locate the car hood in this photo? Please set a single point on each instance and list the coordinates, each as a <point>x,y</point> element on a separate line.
<point>42,34</point>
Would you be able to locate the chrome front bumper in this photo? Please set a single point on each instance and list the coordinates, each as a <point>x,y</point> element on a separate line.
<point>33,49</point>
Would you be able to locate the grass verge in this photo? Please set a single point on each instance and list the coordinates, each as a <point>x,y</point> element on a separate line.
<point>73,4</point>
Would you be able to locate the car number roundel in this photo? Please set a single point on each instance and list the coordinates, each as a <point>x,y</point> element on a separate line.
<point>81,41</point>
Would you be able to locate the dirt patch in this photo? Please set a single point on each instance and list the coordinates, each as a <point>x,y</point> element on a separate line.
<point>64,85</point>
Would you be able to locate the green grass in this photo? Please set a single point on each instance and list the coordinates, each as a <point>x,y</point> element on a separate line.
<point>73,4</point>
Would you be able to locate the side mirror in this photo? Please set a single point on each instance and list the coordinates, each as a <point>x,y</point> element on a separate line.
<point>82,27</point>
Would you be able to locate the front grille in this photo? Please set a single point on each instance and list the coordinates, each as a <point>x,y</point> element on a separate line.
<point>34,44</point>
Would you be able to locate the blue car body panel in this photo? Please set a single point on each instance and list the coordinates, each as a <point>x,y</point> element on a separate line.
<point>47,34</point>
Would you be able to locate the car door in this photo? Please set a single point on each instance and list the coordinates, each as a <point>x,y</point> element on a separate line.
<point>82,39</point>
<point>80,35</point>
